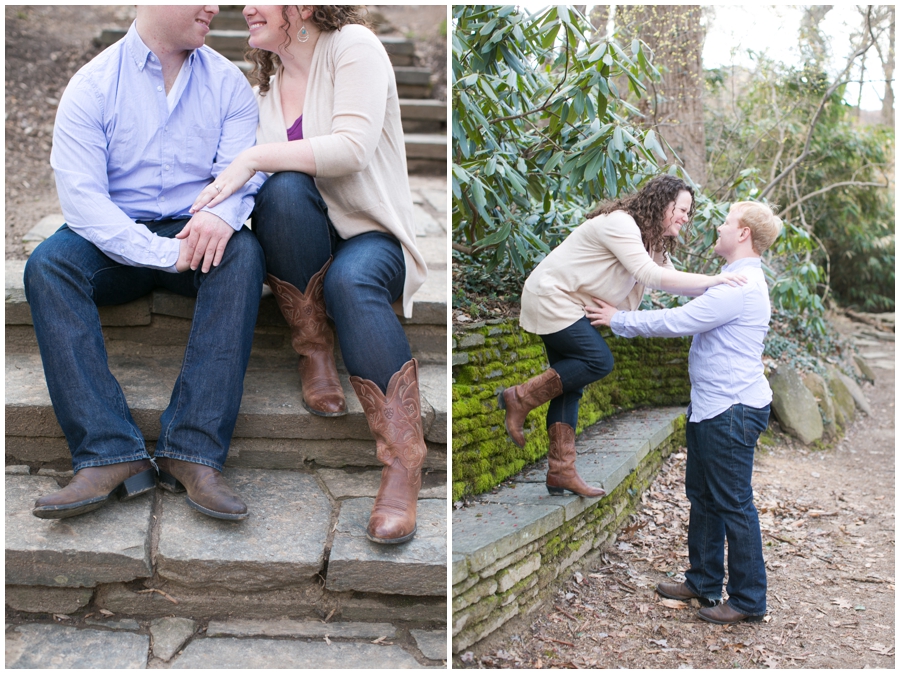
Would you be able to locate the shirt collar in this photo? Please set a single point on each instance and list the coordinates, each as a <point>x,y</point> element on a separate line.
<point>744,262</point>
<point>141,52</point>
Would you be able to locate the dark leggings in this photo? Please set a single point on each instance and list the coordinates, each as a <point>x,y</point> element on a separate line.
<point>579,355</point>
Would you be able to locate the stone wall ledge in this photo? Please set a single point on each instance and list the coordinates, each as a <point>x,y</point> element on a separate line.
<point>510,543</point>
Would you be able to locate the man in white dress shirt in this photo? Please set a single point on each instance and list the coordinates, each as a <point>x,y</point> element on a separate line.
<point>729,409</point>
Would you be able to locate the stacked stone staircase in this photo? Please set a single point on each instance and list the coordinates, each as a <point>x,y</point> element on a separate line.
<point>299,565</point>
<point>424,119</point>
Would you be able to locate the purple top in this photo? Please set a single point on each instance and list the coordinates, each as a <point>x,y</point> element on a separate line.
<point>296,131</point>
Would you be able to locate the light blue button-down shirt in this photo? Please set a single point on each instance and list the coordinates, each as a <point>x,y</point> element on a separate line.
<point>120,156</point>
<point>729,324</point>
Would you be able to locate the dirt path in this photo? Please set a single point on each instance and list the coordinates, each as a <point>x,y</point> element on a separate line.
<point>828,533</point>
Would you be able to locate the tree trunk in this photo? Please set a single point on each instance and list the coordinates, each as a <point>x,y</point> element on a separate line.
<point>887,104</point>
<point>674,106</point>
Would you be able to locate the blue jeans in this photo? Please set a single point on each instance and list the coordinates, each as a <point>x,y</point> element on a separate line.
<point>67,278</point>
<point>580,356</point>
<point>717,483</point>
<point>291,221</point>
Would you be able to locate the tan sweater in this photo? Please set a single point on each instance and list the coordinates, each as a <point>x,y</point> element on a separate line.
<point>603,258</point>
<point>351,118</point>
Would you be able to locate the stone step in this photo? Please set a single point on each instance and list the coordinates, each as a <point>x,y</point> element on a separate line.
<point>426,153</point>
<point>273,428</point>
<point>180,643</point>
<point>163,318</point>
<point>265,566</point>
<point>423,116</point>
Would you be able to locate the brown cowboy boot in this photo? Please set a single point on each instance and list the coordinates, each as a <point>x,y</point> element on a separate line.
<point>207,490</point>
<point>313,338</point>
<point>519,400</point>
<point>92,487</point>
<point>396,422</point>
<point>561,457</point>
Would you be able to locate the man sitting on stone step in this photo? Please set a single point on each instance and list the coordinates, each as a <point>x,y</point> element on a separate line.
<point>140,131</point>
<point>729,409</point>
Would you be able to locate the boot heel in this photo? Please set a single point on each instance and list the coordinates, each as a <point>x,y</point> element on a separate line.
<point>501,401</point>
<point>169,483</point>
<point>555,491</point>
<point>137,485</point>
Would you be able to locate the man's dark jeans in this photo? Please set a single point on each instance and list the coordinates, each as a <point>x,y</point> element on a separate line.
<point>290,220</point>
<point>717,483</point>
<point>68,277</point>
<point>580,356</point>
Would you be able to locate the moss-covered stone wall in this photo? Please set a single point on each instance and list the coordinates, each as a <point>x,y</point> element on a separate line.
<point>492,355</point>
<point>485,600</point>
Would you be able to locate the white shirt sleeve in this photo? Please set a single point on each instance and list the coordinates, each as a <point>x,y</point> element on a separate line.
<point>717,306</point>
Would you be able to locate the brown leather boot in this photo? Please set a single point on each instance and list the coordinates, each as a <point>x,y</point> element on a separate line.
<point>206,489</point>
<point>519,400</point>
<point>313,338</point>
<point>561,457</point>
<point>681,592</point>
<point>396,422</point>
<point>92,487</point>
<point>723,614</point>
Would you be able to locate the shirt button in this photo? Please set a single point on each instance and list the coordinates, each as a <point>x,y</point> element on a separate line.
<point>162,198</point>
<point>167,128</point>
<point>167,167</point>
<point>159,88</point>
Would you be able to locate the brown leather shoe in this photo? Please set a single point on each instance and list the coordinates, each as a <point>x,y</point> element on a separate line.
<point>519,400</point>
<point>562,475</point>
<point>723,614</point>
<point>396,422</point>
<point>313,338</point>
<point>681,592</point>
<point>206,489</point>
<point>92,487</point>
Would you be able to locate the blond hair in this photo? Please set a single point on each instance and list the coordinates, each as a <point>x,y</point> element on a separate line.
<point>762,222</point>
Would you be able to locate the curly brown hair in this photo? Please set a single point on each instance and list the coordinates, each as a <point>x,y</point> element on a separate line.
<point>327,18</point>
<point>648,208</point>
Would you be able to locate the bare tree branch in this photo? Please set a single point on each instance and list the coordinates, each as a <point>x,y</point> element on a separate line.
<point>849,183</point>
<point>839,80</point>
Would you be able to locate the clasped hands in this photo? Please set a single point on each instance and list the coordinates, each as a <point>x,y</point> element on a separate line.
<point>203,240</point>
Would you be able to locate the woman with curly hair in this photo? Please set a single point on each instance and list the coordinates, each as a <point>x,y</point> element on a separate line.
<point>623,247</point>
<point>335,221</point>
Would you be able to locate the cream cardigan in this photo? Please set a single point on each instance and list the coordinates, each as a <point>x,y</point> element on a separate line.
<point>351,118</point>
<point>603,258</point>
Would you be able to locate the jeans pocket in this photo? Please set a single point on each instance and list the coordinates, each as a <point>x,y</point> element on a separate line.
<point>755,420</point>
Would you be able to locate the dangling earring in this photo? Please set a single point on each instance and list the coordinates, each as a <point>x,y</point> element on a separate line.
<point>303,35</point>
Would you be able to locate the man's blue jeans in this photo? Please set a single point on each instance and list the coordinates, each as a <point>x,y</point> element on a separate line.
<point>68,277</point>
<point>291,221</point>
<point>717,483</point>
<point>580,356</point>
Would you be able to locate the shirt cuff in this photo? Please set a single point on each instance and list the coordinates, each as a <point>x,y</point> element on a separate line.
<point>617,323</point>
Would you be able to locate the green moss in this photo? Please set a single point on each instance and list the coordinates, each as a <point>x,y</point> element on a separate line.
<point>647,372</point>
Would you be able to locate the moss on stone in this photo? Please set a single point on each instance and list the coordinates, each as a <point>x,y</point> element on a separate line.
<point>647,372</point>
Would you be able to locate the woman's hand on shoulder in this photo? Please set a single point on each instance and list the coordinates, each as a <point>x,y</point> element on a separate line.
<point>729,278</point>
<point>227,183</point>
